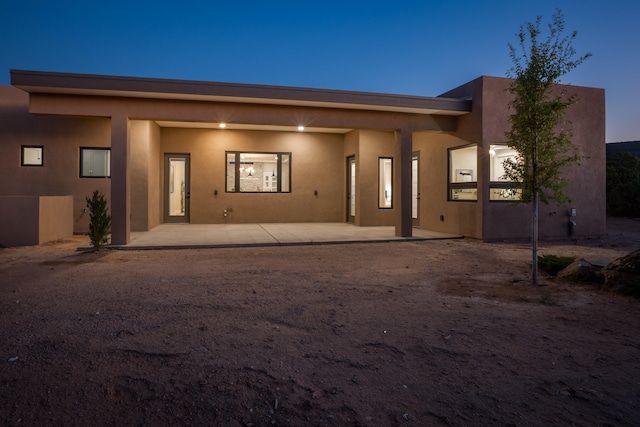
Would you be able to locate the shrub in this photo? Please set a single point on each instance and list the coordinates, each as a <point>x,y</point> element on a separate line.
<point>623,185</point>
<point>552,264</point>
<point>99,220</point>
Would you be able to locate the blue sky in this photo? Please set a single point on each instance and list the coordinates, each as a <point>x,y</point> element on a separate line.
<point>418,47</point>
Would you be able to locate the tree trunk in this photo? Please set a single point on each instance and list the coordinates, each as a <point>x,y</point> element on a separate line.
<point>534,239</point>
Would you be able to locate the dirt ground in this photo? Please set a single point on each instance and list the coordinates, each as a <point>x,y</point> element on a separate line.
<point>382,334</point>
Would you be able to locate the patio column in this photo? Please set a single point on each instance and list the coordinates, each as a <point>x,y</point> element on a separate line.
<point>402,182</point>
<point>120,185</point>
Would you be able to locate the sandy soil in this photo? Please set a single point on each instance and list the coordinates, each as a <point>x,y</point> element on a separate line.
<point>411,333</point>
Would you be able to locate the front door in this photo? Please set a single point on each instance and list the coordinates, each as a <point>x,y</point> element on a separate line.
<point>415,190</point>
<point>176,188</point>
<point>351,190</point>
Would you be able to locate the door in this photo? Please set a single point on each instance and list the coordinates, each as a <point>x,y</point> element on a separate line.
<point>176,188</point>
<point>415,190</point>
<point>351,190</point>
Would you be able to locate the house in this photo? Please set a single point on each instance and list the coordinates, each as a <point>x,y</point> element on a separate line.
<point>213,153</point>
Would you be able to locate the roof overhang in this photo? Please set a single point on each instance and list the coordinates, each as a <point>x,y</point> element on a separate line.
<point>37,82</point>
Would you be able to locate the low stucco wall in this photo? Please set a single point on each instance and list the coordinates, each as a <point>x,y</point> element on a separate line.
<point>33,220</point>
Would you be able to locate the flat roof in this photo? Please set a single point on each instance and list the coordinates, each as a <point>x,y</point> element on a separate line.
<point>135,87</point>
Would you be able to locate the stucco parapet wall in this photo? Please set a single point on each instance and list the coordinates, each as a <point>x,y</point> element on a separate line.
<point>33,220</point>
<point>115,86</point>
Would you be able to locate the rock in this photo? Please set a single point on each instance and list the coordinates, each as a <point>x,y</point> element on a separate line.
<point>581,271</point>
<point>623,275</point>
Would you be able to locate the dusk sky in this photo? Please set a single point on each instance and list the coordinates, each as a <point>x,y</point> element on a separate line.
<point>417,47</point>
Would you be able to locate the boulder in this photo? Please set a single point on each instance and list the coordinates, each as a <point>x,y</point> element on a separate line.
<point>623,275</point>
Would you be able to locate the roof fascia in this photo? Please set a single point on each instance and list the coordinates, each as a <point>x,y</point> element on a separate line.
<point>101,85</point>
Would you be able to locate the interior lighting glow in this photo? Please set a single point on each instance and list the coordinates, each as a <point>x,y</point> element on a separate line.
<point>222,125</point>
<point>300,128</point>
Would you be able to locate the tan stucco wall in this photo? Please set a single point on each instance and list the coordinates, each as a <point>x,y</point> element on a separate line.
<point>373,145</point>
<point>145,175</point>
<point>55,218</point>
<point>459,217</point>
<point>155,177</point>
<point>367,146</point>
<point>317,165</point>
<point>61,138</point>
<point>586,183</point>
<point>19,216</point>
<point>32,220</point>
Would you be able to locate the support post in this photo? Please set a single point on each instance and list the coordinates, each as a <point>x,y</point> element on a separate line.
<point>402,182</point>
<point>120,181</point>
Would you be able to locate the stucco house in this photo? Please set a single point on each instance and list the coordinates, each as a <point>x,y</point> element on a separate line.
<point>213,153</point>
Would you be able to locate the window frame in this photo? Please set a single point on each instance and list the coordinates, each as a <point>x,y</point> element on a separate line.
<point>281,166</point>
<point>31,165</point>
<point>381,196</point>
<point>461,186</point>
<point>82,154</point>
<point>500,186</point>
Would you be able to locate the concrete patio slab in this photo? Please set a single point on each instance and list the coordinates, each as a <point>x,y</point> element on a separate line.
<point>176,236</point>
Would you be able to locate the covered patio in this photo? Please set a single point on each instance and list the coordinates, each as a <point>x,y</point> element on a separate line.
<point>182,236</point>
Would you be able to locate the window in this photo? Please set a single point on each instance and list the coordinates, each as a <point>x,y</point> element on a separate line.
<point>32,155</point>
<point>500,189</point>
<point>95,162</point>
<point>463,169</point>
<point>258,172</point>
<point>385,182</point>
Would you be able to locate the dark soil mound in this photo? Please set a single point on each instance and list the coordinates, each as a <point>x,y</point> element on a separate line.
<point>623,275</point>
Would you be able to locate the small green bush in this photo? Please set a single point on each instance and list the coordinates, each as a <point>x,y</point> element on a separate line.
<point>99,220</point>
<point>623,185</point>
<point>552,264</point>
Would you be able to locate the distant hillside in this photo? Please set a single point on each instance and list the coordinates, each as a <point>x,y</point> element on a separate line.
<point>632,147</point>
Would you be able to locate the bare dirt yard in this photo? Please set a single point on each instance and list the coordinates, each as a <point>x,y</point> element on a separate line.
<point>382,334</point>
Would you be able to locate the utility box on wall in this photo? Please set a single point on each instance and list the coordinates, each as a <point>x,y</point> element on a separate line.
<point>33,220</point>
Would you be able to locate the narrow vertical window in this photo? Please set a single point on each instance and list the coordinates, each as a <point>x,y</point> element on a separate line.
<point>285,166</point>
<point>231,172</point>
<point>385,183</point>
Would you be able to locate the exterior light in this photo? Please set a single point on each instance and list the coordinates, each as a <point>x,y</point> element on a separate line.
<point>222,125</point>
<point>300,128</point>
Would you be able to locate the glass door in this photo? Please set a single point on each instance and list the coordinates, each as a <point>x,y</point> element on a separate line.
<point>415,190</point>
<point>176,188</point>
<point>351,189</point>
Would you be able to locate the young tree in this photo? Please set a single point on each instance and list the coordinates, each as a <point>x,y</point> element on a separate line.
<point>538,132</point>
<point>99,220</point>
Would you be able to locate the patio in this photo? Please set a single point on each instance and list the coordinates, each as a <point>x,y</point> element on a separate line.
<point>178,236</point>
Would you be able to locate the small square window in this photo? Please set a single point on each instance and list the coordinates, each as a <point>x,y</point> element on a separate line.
<point>32,156</point>
<point>95,163</point>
